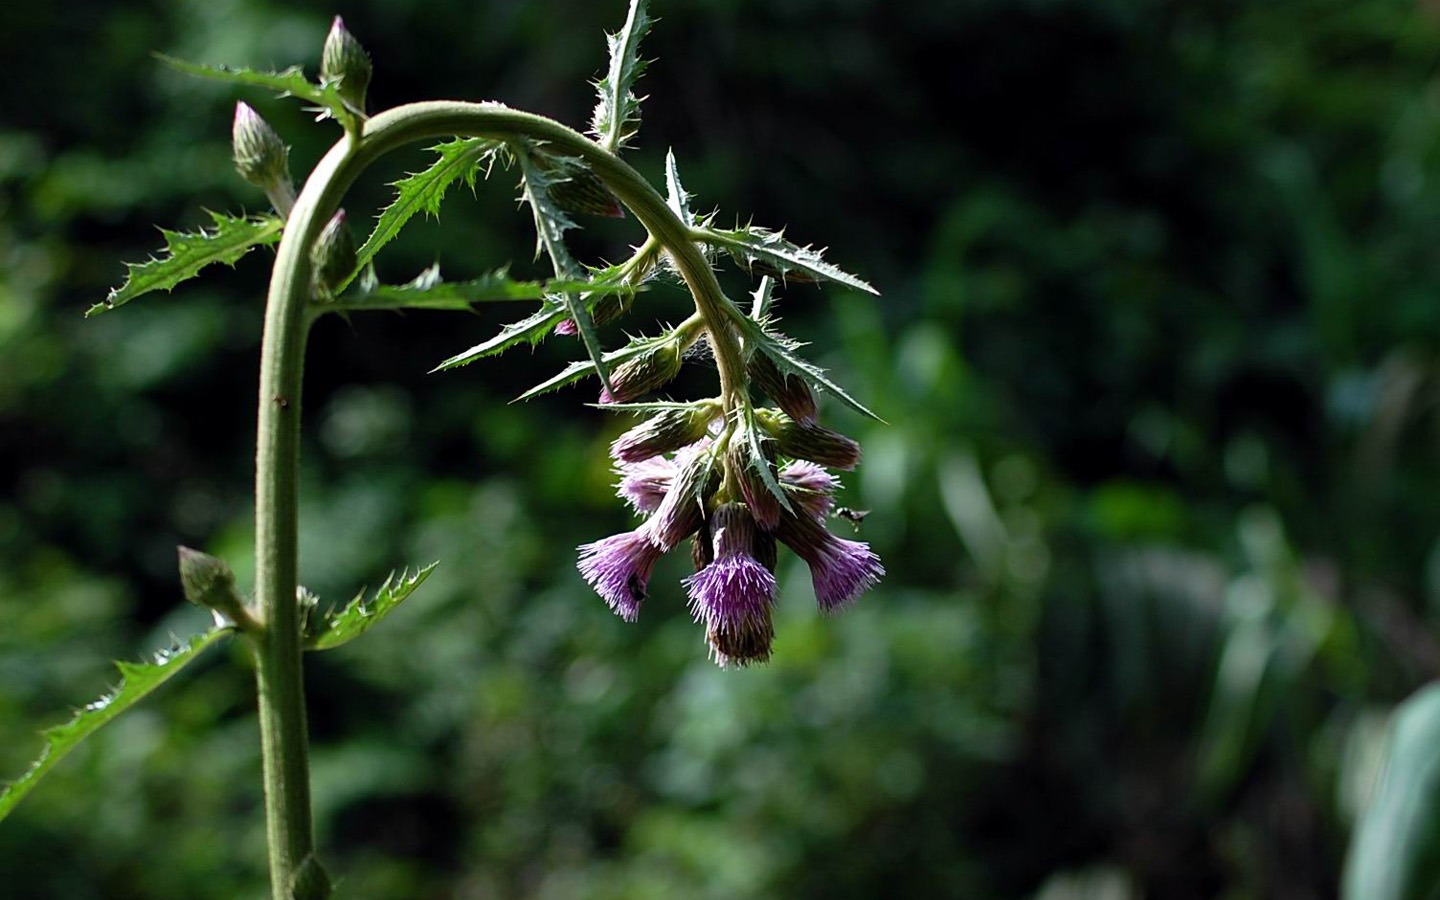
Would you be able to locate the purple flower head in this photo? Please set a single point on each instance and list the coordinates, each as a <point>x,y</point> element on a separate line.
<point>644,484</point>
<point>841,570</point>
<point>618,568</point>
<point>809,487</point>
<point>735,593</point>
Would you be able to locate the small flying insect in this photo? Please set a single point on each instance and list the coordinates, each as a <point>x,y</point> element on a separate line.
<point>853,516</point>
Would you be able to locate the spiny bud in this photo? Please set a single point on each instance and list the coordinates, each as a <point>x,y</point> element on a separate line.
<point>668,430</point>
<point>346,62</point>
<point>583,192</point>
<point>640,375</point>
<point>788,391</point>
<point>682,511</point>
<point>743,464</point>
<point>808,440</point>
<point>606,310</point>
<point>333,256</point>
<point>261,157</point>
<point>207,581</point>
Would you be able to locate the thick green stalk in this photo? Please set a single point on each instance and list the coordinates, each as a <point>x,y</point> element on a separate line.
<point>278,644</point>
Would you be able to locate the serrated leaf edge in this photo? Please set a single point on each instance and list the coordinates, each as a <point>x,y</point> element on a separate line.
<point>61,739</point>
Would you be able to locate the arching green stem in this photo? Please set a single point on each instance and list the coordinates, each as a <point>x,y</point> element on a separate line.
<point>277,645</point>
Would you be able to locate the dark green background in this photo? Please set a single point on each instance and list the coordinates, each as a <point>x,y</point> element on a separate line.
<point>1157,496</point>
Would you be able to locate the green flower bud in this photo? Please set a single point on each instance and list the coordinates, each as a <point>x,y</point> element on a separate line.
<point>207,581</point>
<point>346,62</point>
<point>583,192</point>
<point>789,392</point>
<point>743,465</point>
<point>818,444</point>
<point>261,157</point>
<point>667,430</point>
<point>333,256</point>
<point>639,375</point>
<point>682,512</point>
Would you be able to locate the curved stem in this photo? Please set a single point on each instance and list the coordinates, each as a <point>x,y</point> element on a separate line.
<point>277,646</point>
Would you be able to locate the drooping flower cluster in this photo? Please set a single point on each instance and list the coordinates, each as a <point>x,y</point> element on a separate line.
<point>737,485</point>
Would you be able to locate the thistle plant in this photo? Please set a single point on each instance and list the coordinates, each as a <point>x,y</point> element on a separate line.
<point>735,474</point>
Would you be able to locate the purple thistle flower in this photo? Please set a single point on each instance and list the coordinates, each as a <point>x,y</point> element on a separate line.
<point>841,570</point>
<point>735,593</point>
<point>644,484</point>
<point>810,487</point>
<point>618,568</point>
<point>567,327</point>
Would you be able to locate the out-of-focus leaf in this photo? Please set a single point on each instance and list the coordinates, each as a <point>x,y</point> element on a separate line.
<point>1395,852</point>
<point>137,680</point>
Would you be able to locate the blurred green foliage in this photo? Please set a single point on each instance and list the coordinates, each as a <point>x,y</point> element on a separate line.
<point>1158,351</point>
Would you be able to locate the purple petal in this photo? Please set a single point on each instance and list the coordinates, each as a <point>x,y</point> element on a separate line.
<point>810,487</point>
<point>841,570</point>
<point>733,596</point>
<point>644,484</point>
<point>618,568</point>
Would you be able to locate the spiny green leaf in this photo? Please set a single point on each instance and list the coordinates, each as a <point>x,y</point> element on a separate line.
<point>677,196</point>
<point>551,223</point>
<point>581,368</point>
<point>762,299</point>
<point>781,350</point>
<point>136,681</point>
<point>342,626</point>
<point>532,329</point>
<point>755,458</point>
<point>289,82</point>
<point>186,253</point>
<point>766,252</point>
<point>617,114</point>
<point>423,191</point>
<point>429,291</point>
